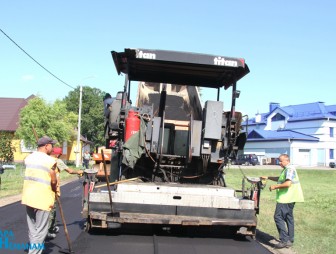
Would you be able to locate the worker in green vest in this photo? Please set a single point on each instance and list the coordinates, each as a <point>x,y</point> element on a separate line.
<point>288,192</point>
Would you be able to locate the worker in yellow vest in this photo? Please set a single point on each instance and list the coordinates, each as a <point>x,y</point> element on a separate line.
<point>38,193</point>
<point>60,166</point>
<point>288,192</point>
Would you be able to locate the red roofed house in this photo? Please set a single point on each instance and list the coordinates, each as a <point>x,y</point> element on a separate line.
<point>9,120</point>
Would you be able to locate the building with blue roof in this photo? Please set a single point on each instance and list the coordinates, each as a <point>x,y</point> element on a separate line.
<point>305,132</point>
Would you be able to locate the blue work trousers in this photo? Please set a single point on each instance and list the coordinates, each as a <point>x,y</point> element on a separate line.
<point>284,220</point>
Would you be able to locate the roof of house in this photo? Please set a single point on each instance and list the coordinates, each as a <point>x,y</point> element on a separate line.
<point>301,112</point>
<point>267,135</point>
<point>331,109</point>
<point>10,111</point>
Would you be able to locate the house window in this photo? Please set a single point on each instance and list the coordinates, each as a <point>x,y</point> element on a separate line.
<point>26,148</point>
<point>278,117</point>
<point>331,154</point>
<point>331,129</point>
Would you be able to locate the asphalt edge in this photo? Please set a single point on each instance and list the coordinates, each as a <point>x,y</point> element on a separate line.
<point>15,198</point>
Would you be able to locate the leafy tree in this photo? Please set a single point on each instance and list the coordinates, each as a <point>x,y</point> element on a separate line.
<point>52,120</point>
<point>92,118</point>
<point>6,148</point>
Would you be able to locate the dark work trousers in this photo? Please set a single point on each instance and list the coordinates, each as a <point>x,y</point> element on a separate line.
<point>52,219</point>
<point>284,220</point>
<point>86,164</point>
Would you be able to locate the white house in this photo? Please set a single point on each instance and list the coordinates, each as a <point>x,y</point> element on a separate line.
<point>305,132</point>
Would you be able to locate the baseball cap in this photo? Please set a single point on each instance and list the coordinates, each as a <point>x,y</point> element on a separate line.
<point>57,151</point>
<point>45,140</point>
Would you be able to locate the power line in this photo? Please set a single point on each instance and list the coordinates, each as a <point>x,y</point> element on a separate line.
<point>36,61</point>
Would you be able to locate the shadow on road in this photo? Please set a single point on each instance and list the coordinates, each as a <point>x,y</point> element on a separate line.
<point>265,238</point>
<point>176,231</point>
<point>269,242</point>
<point>144,239</point>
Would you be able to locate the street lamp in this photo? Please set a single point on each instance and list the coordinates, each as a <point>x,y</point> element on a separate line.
<point>79,151</point>
<point>78,154</point>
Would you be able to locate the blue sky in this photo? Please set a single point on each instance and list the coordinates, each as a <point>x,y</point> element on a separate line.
<point>289,46</point>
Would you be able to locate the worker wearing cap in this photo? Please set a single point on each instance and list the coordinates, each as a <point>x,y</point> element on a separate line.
<point>38,193</point>
<point>60,166</point>
<point>288,192</point>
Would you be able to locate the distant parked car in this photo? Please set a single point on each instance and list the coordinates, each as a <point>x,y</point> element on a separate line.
<point>246,159</point>
<point>332,164</point>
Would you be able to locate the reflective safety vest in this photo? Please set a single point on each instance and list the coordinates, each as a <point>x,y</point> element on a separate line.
<point>294,192</point>
<point>37,192</point>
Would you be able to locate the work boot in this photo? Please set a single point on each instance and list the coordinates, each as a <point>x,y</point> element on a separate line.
<point>51,235</point>
<point>55,229</point>
<point>289,244</point>
<point>282,245</point>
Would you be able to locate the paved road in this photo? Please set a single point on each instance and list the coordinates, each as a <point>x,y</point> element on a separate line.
<point>139,239</point>
<point>149,241</point>
<point>13,218</point>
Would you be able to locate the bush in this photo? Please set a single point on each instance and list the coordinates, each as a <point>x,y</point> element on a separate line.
<point>6,148</point>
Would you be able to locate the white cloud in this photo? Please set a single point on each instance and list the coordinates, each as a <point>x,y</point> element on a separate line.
<point>27,77</point>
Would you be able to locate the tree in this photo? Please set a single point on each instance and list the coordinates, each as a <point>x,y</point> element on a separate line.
<point>6,148</point>
<point>92,118</point>
<point>52,120</point>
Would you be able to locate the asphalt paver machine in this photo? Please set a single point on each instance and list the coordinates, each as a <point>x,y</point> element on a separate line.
<point>168,153</point>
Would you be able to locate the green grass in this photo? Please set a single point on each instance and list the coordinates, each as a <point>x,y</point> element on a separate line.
<point>315,222</point>
<point>12,180</point>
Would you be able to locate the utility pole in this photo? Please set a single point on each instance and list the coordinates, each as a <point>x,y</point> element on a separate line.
<point>79,150</point>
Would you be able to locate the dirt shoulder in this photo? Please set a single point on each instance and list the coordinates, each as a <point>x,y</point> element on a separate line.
<point>269,241</point>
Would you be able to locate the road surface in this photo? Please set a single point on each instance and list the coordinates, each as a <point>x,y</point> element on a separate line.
<point>130,240</point>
